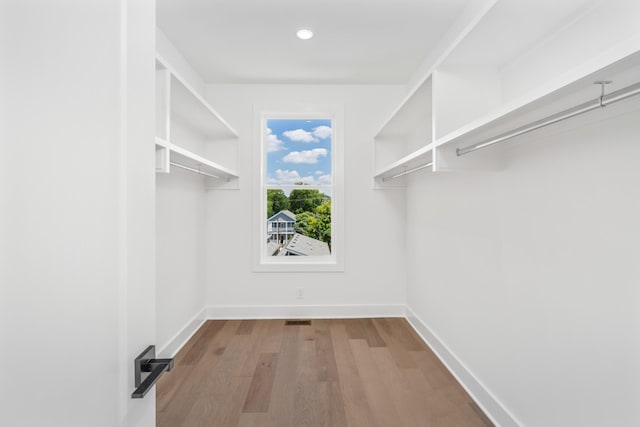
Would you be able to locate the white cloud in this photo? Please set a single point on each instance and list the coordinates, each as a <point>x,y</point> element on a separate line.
<point>319,172</point>
<point>306,156</point>
<point>300,135</point>
<point>290,177</point>
<point>324,180</point>
<point>322,132</point>
<point>273,143</point>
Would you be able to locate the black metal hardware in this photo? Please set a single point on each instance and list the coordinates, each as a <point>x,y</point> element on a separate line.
<point>147,363</point>
<point>297,322</point>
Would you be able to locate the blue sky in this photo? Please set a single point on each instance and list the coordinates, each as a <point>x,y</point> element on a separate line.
<point>298,151</point>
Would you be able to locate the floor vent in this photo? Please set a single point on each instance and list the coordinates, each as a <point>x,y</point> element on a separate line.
<point>297,322</point>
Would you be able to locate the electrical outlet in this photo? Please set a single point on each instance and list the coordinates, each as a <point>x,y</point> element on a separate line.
<point>300,293</point>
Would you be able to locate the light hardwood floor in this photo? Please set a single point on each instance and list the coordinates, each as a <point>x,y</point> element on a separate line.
<point>347,372</point>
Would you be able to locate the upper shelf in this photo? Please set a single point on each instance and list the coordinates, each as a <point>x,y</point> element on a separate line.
<point>186,158</point>
<point>407,136</point>
<point>185,126</point>
<point>190,108</point>
<point>486,83</point>
<point>418,157</point>
<point>536,104</point>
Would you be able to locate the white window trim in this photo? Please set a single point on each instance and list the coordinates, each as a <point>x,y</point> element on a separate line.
<point>262,262</point>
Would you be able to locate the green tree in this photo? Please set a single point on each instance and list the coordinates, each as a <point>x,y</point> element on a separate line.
<point>305,200</point>
<point>305,223</point>
<point>316,224</point>
<point>276,201</point>
<point>322,227</point>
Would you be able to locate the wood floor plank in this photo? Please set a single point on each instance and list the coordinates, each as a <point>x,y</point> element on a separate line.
<point>337,416</point>
<point>357,410</point>
<point>273,337</point>
<point>185,396</point>
<point>378,396</point>
<point>463,416</point>
<point>400,353</point>
<point>410,406</point>
<point>307,332</point>
<point>255,419</point>
<point>193,393</point>
<point>217,386</point>
<point>195,338</point>
<point>371,334</point>
<point>202,343</point>
<point>246,326</point>
<point>405,334</point>
<point>259,394</point>
<point>259,335</point>
<point>433,370</point>
<point>281,406</point>
<point>325,356</point>
<point>306,393</point>
<point>332,373</point>
<point>354,329</point>
<point>418,386</point>
<point>169,385</point>
<point>455,393</point>
<point>330,400</point>
<point>233,410</point>
<point>483,417</point>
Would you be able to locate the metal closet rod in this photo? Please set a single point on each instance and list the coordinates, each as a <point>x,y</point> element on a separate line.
<point>407,172</point>
<point>190,169</point>
<point>600,102</point>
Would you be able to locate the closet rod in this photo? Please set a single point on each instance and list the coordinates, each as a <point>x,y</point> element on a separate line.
<point>190,169</point>
<point>407,172</point>
<point>600,102</point>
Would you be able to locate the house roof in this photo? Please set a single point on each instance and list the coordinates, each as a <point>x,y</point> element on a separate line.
<point>285,212</point>
<point>272,248</point>
<point>307,246</point>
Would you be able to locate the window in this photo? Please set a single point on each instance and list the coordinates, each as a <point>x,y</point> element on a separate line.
<point>299,212</point>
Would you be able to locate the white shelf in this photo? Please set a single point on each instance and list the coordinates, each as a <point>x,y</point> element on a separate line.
<point>483,84</point>
<point>397,114</point>
<point>190,108</point>
<point>406,136</point>
<point>187,158</point>
<point>162,156</point>
<point>565,92</point>
<point>193,111</point>
<point>188,125</point>
<point>549,47</point>
<point>413,159</point>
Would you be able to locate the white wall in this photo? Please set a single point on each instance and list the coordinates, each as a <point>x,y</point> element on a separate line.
<point>530,275</point>
<point>180,253</point>
<point>76,211</point>
<point>167,51</point>
<point>180,237</point>
<point>374,259</point>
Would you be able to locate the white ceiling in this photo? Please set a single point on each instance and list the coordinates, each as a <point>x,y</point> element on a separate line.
<point>356,41</point>
<point>526,22</point>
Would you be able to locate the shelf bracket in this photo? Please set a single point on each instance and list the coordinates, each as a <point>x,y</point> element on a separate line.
<point>602,84</point>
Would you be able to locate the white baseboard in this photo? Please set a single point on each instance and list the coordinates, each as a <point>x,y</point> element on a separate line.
<point>491,406</point>
<point>304,311</point>
<point>275,312</point>
<point>174,345</point>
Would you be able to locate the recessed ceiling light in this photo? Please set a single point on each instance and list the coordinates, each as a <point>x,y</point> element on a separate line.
<point>304,34</point>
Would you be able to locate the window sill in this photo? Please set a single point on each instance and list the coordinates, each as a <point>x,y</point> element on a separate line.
<point>294,266</point>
